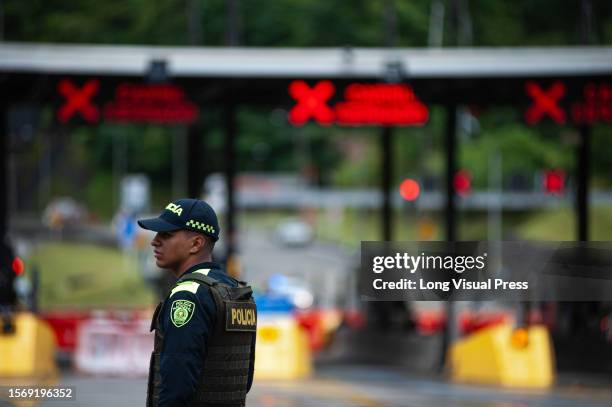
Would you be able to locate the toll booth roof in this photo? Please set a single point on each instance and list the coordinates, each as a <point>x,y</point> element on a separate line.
<point>332,63</point>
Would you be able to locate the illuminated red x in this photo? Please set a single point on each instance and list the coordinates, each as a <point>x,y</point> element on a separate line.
<point>311,102</point>
<point>78,100</point>
<point>545,102</point>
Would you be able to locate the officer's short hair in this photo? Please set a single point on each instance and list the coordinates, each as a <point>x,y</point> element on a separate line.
<point>209,243</point>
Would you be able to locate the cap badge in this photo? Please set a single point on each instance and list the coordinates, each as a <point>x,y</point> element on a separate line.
<point>174,208</point>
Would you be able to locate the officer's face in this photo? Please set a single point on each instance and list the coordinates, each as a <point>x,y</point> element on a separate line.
<point>171,249</point>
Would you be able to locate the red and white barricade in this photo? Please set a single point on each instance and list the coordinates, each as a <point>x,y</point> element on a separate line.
<point>114,347</point>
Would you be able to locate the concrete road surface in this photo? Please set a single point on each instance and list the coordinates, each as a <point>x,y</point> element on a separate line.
<point>339,386</point>
<point>322,266</point>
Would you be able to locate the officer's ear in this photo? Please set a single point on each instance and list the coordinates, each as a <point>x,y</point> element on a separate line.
<point>198,243</point>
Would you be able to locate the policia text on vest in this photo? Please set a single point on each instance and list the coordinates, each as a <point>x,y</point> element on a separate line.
<point>241,317</point>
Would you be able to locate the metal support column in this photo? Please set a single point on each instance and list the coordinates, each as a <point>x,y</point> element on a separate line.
<point>582,189</point>
<point>380,312</point>
<point>451,169</point>
<point>195,167</point>
<point>4,155</point>
<point>450,329</point>
<point>230,171</point>
<point>386,174</point>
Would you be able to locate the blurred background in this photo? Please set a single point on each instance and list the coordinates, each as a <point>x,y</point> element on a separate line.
<point>309,126</point>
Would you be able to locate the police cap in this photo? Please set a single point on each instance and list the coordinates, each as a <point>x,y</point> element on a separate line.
<point>188,214</point>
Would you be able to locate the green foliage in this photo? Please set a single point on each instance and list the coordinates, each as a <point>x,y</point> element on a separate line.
<point>98,195</point>
<point>87,276</point>
<point>299,22</point>
<point>601,164</point>
<point>266,142</point>
<point>560,224</point>
<point>521,149</point>
<point>360,158</point>
<point>497,22</point>
<point>87,21</point>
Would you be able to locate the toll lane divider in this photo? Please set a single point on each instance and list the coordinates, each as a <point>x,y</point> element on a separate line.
<point>116,343</point>
<point>27,351</point>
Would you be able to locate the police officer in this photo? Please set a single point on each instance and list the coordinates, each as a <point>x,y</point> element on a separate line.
<point>204,350</point>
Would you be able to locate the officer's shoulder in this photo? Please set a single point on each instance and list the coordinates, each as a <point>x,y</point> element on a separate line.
<point>190,288</point>
<point>185,288</point>
<point>220,277</point>
<point>199,286</point>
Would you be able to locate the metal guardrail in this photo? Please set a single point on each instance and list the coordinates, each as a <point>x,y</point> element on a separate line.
<point>372,198</point>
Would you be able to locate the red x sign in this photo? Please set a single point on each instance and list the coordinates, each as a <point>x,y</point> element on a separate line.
<point>311,102</point>
<point>545,102</point>
<point>78,100</point>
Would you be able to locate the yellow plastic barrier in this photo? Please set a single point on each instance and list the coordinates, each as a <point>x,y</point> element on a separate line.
<point>282,350</point>
<point>502,356</point>
<point>29,351</point>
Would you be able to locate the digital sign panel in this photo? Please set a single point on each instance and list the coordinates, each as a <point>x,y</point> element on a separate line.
<point>164,104</point>
<point>78,101</point>
<point>363,104</point>
<point>554,102</point>
<point>596,106</point>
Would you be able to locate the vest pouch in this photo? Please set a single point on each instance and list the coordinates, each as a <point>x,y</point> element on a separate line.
<point>241,293</point>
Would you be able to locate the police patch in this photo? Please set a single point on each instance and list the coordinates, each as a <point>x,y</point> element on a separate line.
<point>240,316</point>
<point>181,312</point>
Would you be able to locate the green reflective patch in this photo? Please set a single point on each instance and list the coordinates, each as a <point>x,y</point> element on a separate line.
<point>181,312</point>
<point>190,286</point>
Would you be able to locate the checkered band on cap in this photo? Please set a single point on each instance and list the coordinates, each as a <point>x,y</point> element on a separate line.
<point>201,226</point>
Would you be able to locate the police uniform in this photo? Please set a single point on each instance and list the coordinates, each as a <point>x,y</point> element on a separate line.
<point>205,329</point>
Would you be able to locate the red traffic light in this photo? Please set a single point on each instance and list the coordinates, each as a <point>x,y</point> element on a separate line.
<point>18,266</point>
<point>554,182</point>
<point>462,182</point>
<point>410,189</point>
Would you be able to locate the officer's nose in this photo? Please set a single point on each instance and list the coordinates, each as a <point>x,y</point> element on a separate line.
<point>155,242</point>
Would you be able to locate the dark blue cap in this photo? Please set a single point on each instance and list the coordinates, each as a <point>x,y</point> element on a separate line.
<point>188,214</point>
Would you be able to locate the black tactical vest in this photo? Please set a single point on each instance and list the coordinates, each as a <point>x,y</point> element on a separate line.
<point>230,355</point>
